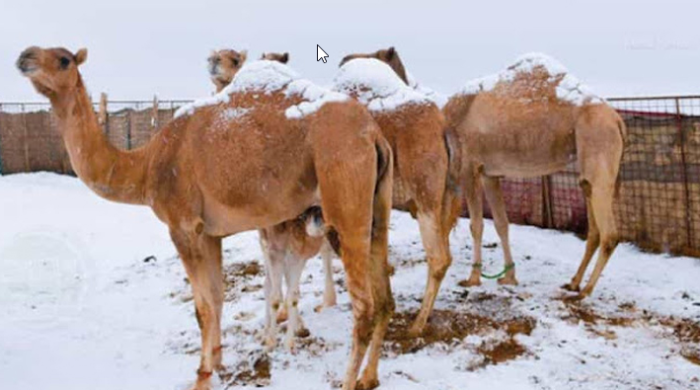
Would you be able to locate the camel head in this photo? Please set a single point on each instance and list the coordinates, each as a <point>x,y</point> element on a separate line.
<point>390,56</point>
<point>282,58</point>
<point>53,71</point>
<point>224,64</point>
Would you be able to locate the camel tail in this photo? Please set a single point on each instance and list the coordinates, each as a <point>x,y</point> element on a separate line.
<point>452,197</point>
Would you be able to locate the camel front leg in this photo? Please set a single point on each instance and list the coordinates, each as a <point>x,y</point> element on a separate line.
<point>494,195</point>
<point>293,270</point>
<point>201,255</point>
<point>475,205</point>
<point>274,272</point>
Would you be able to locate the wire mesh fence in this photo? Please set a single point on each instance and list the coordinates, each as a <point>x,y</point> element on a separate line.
<point>658,205</point>
<point>30,141</point>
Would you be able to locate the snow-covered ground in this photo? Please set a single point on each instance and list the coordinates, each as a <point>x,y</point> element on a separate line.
<point>93,296</point>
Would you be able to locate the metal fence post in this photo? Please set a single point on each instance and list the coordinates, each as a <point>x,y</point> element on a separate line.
<point>547,214</point>
<point>27,167</point>
<point>684,174</point>
<point>128,129</point>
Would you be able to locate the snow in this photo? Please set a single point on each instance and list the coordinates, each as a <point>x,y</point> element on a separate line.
<point>376,85</point>
<point>568,88</point>
<point>83,306</point>
<point>230,114</point>
<point>314,98</point>
<point>436,97</point>
<point>266,77</point>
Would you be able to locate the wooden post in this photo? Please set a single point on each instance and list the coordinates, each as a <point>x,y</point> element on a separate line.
<point>102,115</point>
<point>154,115</point>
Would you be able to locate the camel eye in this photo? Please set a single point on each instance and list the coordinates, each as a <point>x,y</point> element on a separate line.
<point>64,61</point>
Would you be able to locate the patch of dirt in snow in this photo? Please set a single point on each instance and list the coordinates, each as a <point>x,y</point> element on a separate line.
<point>254,371</point>
<point>685,331</point>
<point>448,329</point>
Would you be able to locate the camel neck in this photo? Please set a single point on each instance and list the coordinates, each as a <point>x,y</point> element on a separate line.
<point>111,173</point>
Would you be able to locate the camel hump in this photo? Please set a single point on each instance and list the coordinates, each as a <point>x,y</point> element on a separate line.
<point>270,77</point>
<point>376,85</point>
<point>532,77</point>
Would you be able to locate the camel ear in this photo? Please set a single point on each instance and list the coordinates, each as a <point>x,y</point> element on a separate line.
<point>81,56</point>
<point>390,53</point>
<point>243,54</point>
<point>285,58</point>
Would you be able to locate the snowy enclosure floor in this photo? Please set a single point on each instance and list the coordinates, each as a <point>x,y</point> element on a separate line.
<point>93,296</point>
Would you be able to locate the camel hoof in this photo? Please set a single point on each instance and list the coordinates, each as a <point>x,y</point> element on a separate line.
<point>367,384</point>
<point>416,330</point>
<point>270,343</point>
<point>471,282</point>
<point>203,382</point>
<point>571,287</point>
<point>302,333</point>
<point>575,298</point>
<point>282,316</point>
<point>290,346</point>
<point>508,281</point>
<point>327,304</point>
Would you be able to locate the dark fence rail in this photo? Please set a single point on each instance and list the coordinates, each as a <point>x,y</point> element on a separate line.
<point>658,205</point>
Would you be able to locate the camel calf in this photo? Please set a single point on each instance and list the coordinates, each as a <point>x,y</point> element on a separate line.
<point>286,248</point>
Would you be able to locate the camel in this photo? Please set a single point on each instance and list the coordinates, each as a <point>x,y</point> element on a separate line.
<point>223,65</point>
<point>264,150</point>
<point>279,57</point>
<point>424,156</point>
<point>531,120</point>
<point>286,247</point>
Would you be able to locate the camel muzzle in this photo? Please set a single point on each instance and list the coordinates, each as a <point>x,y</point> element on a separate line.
<point>26,63</point>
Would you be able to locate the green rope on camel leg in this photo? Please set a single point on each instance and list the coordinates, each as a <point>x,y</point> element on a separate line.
<point>498,275</point>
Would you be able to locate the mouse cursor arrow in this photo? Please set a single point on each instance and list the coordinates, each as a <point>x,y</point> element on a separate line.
<point>321,54</point>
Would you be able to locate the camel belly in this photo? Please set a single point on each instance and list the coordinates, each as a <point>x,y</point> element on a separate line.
<point>223,218</point>
<point>507,153</point>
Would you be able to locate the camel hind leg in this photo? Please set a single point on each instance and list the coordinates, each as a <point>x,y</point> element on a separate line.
<point>436,244</point>
<point>379,273</point>
<point>349,196</point>
<point>602,195</point>
<point>592,242</point>
<point>600,137</point>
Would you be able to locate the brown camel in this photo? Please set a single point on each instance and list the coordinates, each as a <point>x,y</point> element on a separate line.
<point>424,155</point>
<point>286,247</point>
<point>261,152</point>
<point>223,65</point>
<point>531,120</point>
